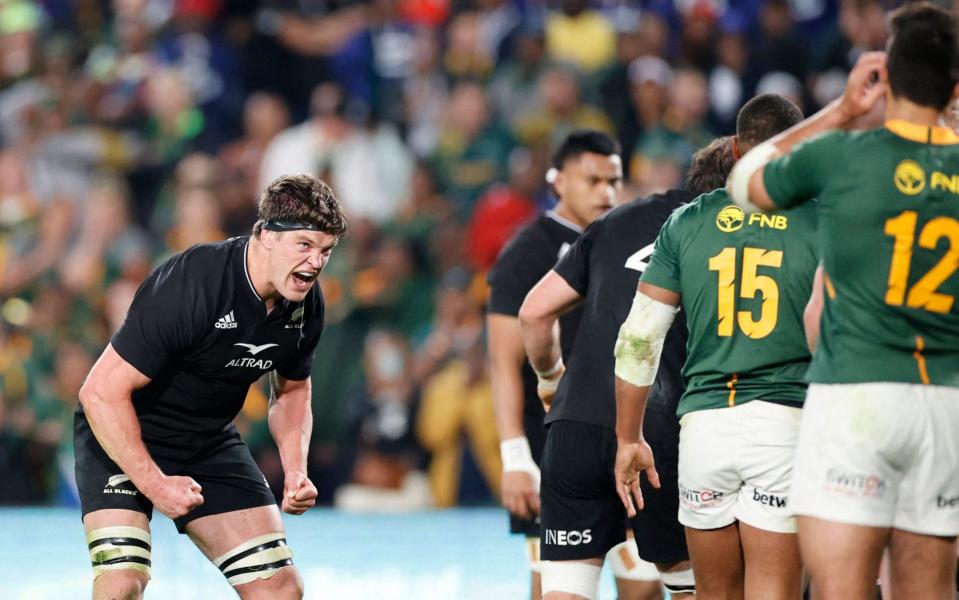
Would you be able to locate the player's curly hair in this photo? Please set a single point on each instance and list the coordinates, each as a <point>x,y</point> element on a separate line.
<point>301,199</point>
<point>711,166</point>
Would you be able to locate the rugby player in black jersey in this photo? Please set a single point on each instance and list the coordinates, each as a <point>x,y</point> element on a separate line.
<point>587,177</point>
<point>582,516</point>
<point>154,426</point>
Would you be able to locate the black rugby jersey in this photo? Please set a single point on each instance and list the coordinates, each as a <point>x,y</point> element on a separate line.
<point>528,256</point>
<point>604,267</point>
<point>200,332</point>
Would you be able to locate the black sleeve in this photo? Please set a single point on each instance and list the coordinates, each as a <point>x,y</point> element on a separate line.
<point>163,319</point>
<point>298,367</point>
<point>574,265</point>
<point>517,270</point>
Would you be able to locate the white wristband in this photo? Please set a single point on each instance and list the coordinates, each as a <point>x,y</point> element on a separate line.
<point>552,371</point>
<point>516,456</point>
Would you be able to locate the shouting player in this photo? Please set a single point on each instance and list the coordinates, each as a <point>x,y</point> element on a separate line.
<point>154,426</point>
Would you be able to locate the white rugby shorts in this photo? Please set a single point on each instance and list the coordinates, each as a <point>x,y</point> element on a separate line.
<point>736,464</point>
<point>881,455</point>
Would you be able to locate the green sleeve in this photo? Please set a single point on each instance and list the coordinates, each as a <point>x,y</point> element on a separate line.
<point>801,175</point>
<point>663,268</point>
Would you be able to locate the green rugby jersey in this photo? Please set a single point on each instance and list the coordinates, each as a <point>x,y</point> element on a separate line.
<point>744,281</point>
<point>888,208</point>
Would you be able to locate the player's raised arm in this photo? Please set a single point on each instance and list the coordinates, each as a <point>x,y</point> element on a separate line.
<point>638,350</point>
<point>106,396</point>
<point>864,88</point>
<point>539,316</point>
<point>291,424</point>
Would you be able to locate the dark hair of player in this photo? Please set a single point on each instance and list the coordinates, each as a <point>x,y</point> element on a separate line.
<point>710,166</point>
<point>583,141</point>
<point>923,54</point>
<point>763,117</point>
<point>300,202</point>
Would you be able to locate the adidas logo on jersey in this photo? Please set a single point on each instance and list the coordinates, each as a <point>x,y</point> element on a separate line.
<point>227,321</point>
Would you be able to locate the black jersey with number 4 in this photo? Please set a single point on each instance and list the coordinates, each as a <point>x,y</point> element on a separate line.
<point>604,267</point>
<point>200,332</point>
<point>528,256</point>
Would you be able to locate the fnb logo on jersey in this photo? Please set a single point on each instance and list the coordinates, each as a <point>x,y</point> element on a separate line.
<point>909,177</point>
<point>699,498</point>
<point>764,220</point>
<point>730,219</point>
<point>562,537</point>
<point>947,183</point>
<point>854,484</point>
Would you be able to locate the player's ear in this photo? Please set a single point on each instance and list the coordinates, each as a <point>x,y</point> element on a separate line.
<point>559,182</point>
<point>269,238</point>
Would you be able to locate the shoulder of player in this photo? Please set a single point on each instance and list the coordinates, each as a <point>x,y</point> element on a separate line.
<point>207,257</point>
<point>532,240</point>
<point>702,206</point>
<point>197,268</point>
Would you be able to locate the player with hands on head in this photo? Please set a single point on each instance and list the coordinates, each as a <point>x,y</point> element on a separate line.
<point>877,454</point>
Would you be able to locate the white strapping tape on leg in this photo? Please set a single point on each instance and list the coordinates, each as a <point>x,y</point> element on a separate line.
<point>625,563</point>
<point>640,341</point>
<point>679,582</point>
<point>119,547</point>
<point>532,552</point>
<point>571,577</point>
<point>257,558</point>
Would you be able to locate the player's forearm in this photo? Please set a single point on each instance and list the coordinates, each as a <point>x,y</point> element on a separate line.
<point>540,340</point>
<point>291,425</point>
<point>630,410</point>
<point>115,426</point>
<point>507,387</point>
<point>831,117</point>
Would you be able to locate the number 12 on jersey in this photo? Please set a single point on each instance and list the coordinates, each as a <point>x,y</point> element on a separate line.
<point>750,282</point>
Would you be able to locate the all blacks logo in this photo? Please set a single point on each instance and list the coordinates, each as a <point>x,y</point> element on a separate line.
<point>730,219</point>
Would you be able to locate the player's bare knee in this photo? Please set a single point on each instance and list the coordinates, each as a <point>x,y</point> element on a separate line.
<point>628,589</point>
<point>120,585</point>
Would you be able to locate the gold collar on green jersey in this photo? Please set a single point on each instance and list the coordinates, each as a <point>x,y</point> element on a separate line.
<point>921,133</point>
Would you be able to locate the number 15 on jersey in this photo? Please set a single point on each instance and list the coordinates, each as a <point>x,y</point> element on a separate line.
<point>749,283</point>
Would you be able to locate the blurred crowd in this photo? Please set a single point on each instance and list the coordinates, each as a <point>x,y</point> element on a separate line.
<point>133,129</point>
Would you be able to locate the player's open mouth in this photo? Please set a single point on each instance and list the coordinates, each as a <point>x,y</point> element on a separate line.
<point>303,279</point>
